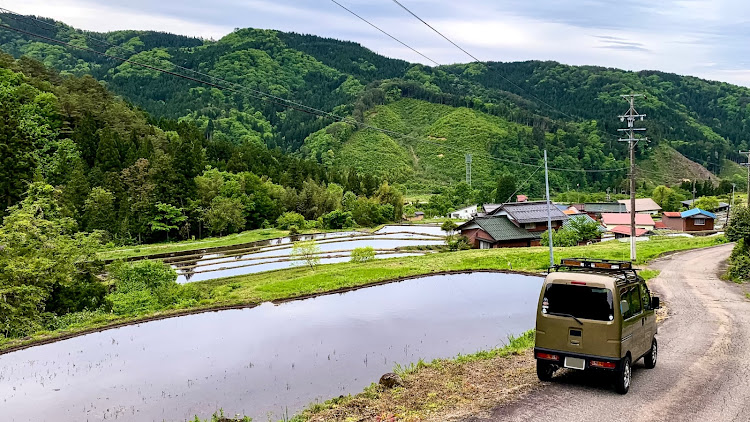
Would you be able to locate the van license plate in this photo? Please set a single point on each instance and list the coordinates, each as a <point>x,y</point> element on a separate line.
<point>575,363</point>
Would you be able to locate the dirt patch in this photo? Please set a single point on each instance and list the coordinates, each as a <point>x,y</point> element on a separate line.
<point>442,391</point>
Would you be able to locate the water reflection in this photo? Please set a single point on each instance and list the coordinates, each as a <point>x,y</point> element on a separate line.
<point>253,258</point>
<point>264,360</point>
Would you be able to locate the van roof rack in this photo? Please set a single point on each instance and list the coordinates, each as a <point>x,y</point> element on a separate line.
<point>598,265</point>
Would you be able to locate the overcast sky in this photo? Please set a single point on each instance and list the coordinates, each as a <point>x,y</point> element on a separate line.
<point>706,38</point>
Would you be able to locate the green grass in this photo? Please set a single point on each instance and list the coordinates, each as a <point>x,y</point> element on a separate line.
<point>209,242</point>
<point>649,274</point>
<point>297,281</point>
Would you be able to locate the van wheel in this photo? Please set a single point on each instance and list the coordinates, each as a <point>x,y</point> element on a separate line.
<point>650,358</point>
<point>623,377</point>
<point>544,370</point>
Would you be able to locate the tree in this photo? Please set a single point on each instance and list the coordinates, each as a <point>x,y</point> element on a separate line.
<point>506,188</point>
<point>561,237</point>
<point>99,210</point>
<point>667,198</point>
<point>307,251</point>
<point>167,218</point>
<point>584,228</point>
<point>225,216</point>
<point>739,224</point>
<point>41,256</point>
<point>449,227</point>
<point>338,219</point>
<point>289,219</point>
<point>708,203</point>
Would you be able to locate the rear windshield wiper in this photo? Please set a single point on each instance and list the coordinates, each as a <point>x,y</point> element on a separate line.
<point>567,315</point>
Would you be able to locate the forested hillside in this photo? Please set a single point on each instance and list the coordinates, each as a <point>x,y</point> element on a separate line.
<point>499,112</point>
<point>137,180</point>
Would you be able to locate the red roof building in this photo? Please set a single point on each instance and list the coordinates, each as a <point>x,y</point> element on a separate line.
<point>643,221</point>
<point>624,231</point>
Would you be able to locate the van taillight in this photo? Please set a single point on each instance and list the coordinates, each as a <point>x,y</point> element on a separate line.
<point>578,283</point>
<point>600,364</point>
<point>547,356</point>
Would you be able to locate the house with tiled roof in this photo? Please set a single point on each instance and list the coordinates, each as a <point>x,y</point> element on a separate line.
<point>531,216</point>
<point>692,220</point>
<point>497,232</point>
<point>642,205</point>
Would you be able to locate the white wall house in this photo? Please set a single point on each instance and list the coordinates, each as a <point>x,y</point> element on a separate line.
<point>464,213</point>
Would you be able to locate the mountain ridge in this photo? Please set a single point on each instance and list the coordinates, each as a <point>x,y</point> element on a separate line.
<point>699,118</point>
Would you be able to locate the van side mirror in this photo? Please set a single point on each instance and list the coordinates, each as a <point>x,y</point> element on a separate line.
<point>655,303</point>
<point>624,307</point>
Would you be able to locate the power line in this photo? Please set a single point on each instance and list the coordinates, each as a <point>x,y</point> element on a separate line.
<point>276,100</point>
<point>383,31</point>
<point>477,60</point>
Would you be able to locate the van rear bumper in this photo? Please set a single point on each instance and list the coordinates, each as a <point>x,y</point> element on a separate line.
<point>588,358</point>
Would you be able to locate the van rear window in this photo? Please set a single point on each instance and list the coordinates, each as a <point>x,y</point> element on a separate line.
<point>583,302</point>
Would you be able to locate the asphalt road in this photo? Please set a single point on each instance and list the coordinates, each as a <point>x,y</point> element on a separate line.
<point>703,370</point>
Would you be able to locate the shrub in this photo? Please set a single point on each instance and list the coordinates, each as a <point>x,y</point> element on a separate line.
<point>293,230</point>
<point>739,262</point>
<point>561,237</point>
<point>457,243</point>
<point>133,303</point>
<point>142,275</point>
<point>362,255</point>
<point>449,227</point>
<point>307,251</point>
<point>288,219</point>
<point>338,219</point>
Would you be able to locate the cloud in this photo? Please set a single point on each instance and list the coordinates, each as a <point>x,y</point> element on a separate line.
<point>671,35</point>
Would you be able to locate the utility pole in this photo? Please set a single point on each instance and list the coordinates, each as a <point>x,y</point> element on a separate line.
<point>468,169</point>
<point>747,153</point>
<point>549,213</point>
<point>631,115</point>
<point>731,207</point>
<point>694,192</point>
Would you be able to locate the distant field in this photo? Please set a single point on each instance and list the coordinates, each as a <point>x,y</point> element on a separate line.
<point>209,242</point>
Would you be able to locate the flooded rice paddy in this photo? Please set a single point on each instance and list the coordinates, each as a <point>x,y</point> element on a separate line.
<point>267,361</point>
<point>276,253</point>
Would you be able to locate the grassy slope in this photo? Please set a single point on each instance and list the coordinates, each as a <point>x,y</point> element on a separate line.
<point>298,281</point>
<point>427,164</point>
<point>666,166</point>
<point>457,387</point>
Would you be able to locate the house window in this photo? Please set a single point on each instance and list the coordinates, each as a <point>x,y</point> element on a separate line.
<point>484,245</point>
<point>530,226</point>
<point>700,222</point>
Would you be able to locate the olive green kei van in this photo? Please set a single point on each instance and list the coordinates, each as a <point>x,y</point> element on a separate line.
<point>595,314</point>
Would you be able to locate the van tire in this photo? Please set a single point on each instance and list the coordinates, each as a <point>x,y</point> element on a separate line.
<point>544,370</point>
<point>624,376</point>
<point>649,359</point>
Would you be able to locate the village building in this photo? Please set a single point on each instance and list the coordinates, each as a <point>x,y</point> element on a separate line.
<point>497,232</point>
<point>531,216</point>
<point>518,224</point>
<point>464,213</point>
<point>619,223</point>
<point>692,220</point>
<point>642,205</point>
<point>596,209</point>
